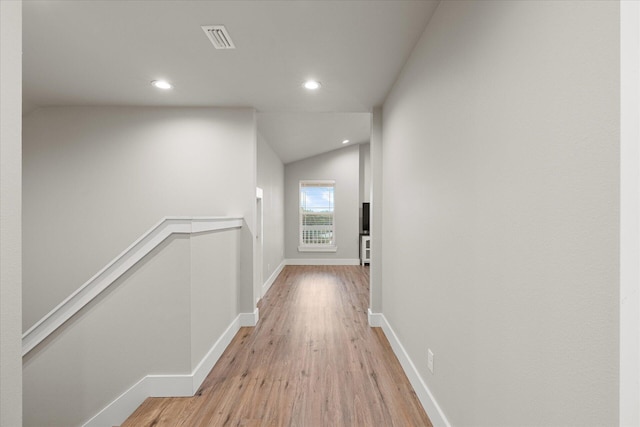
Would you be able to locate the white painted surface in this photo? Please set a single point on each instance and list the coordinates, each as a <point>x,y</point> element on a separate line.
<point>116,268</point>
<point>215,260</point>
<point>501,211</point>
<point>364,193</point>
<point>322,261</point>
<point>428,401</point>
<point>180,299</point>
<point>140,327</point>
<point>297,136</point>
<point>365,250</point>
<point>365,167</point>
<point>318,249</point>
<point>248,288</point>
<point>375,319</point>
<point>10,212</point>
<point>249,319</point>
<point>629,214</point>
<point>362,49</point>
<point>270,177</point>
<point>123,168</point>
<point>163,385</point>
<point>269,282</point>
<point>207,363</point>
<point>341,166</point>
<point>258,247</point>
<point>375,272</point>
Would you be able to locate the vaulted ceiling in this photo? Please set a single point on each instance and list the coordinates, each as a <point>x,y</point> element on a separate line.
<point>91,52</point>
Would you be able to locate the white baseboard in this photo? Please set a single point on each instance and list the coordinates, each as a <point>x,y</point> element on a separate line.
<point>249,319</point>
<point>116,268</point>
<point>322,261</point>
<point>169,385</point>
<point>431,407</point>
<point>213,355</point>
<point>124,405</point>
<point>267,285</point>
<point>375,319</point>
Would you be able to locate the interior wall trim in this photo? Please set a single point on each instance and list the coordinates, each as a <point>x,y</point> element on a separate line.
<point>375,319</point>
<point>247,319</point>
<point>322,261</point>
<point>116,268</point>
<point>428,401</point>
<point>187,385</point>
<point>269,282</point>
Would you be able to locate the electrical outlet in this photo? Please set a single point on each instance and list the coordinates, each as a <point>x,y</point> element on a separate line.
<point>430,360</point>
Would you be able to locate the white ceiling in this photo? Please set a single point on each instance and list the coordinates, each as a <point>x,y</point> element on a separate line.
<point>94,52</point>
<point>296,136</point>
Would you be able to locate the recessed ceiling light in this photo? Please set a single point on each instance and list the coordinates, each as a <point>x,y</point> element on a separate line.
<point>162,84</point>
<point>346,141</point>
<point>312,85</point>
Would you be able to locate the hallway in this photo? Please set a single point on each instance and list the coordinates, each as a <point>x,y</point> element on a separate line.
<point>312,360</point>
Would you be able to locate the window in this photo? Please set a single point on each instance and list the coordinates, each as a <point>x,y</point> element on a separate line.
<point>317,219</point>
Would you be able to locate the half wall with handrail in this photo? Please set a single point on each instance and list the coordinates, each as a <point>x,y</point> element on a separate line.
<point>152,322</point>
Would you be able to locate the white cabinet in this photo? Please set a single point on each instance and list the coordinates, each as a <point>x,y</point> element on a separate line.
<point>365,250</point>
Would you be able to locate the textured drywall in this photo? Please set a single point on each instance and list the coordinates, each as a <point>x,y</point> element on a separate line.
<point>139,326</point>
<point>97,178</point>
<point>364,177</point>
<point>271,179</point>
<point>375,273</point>
<point>10,213</point>
<point>215,263</point>
<point>160,318</point>
<point>365,173</point>
<point>629,214</point>
<point>500,218</point>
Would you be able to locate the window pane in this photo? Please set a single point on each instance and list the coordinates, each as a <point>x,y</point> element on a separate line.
<point>316,213</point>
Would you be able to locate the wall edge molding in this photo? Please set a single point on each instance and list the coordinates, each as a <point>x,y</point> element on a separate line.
<point>207,363</point>
<point>116,412</point>
<point>428,401</point>
<point>249,319</point>
<point>322,261</point>
<point>269,282</point>
<point>375,319</point>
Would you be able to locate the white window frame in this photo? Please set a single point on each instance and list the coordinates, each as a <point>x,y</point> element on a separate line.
<point>305,247</point>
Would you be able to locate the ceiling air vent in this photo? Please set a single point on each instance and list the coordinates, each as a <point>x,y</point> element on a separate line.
<point>219,36</point>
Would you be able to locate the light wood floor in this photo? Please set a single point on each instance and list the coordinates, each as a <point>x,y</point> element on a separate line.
<point>312,360</point>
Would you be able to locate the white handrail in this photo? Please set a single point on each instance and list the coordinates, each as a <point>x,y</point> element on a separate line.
<point>116,268</point>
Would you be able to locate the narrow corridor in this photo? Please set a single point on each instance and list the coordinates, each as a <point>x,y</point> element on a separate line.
<point>312,360</point>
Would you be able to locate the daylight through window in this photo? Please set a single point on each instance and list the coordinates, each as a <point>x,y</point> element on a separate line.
<point>317,204</point>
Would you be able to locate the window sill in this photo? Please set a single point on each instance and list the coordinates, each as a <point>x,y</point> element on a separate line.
<point>317,248</point>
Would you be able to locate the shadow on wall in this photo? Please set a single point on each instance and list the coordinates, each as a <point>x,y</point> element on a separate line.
<point>245,272</point>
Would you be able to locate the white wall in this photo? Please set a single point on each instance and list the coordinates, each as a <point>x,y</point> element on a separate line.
<point>96,178</point>
<point>10,212</point>
<point>629,214</point>
<point>271,180</point>
<point>343,166</point>
<point>375,272</point>
<point>215,260</point>
<point>364,177</point>
<point>160,318</point>
<point>140,327</point>
<point>500,218</point>
<point>365,173</point>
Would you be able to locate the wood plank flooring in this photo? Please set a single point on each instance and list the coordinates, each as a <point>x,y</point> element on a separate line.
<point>312,360</point>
